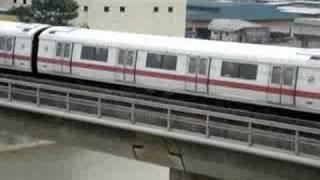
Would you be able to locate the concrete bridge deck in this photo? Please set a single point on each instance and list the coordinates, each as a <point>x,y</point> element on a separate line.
<point>194,141</point>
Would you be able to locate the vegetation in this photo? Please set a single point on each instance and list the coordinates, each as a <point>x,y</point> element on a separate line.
<point>8,18</point>
<point>54,12</point>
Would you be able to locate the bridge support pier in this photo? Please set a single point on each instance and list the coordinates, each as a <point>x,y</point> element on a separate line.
<point>182,175</point>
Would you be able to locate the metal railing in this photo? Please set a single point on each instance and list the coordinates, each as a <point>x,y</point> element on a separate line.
<point>250,132</point>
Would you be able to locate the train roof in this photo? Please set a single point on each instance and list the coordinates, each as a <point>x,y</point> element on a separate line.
<point>20,29</point>
<point>217,49</point>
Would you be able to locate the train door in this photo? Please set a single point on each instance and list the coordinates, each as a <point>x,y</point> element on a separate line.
<point>282,85</point>
<point>6,49</point>
<point>197,74</point>
<point>64,54</point>
<point>126,64</point>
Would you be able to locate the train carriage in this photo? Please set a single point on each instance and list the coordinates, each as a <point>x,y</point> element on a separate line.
<point>258,74</point>
<point>16,44</point>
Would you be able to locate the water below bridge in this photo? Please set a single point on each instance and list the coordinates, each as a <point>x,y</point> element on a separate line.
<point>51,162</point>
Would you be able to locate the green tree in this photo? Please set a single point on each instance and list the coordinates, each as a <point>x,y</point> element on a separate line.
<point>54,12</point>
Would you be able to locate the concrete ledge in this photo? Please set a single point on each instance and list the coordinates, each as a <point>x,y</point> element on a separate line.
<point>22,146</point>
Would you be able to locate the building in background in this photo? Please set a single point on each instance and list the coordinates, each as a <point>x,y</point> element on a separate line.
<point>201,12</point>
<point>306,31</point>
<point>236,30</point>
<point>306,8</point>
<point>7,4</point>
<point>159,17</point>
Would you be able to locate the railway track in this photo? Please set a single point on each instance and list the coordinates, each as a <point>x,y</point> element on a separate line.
<point>140,94</point>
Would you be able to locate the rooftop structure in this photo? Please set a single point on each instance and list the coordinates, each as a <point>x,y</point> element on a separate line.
<point>307,30</point>
<point>237,30</point>
<point>204,10</point>
<point>201,12</point>
<point>302,8</point>
<point>231,25</point>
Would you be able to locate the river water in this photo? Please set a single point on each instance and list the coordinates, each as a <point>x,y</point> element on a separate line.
<point>58,162</point>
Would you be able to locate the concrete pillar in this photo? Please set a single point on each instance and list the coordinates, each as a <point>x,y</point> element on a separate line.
<point>182,175</point>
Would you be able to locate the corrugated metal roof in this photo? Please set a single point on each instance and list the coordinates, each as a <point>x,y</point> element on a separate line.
<point>308,21</point>
<point>231,25</point>
<point>206,10</point>
<point>300,10</point>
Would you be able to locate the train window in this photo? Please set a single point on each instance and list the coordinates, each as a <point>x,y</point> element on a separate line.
<point>203,66</point>
<point>2,43</point>
<point>154,60</point>
<point>67,50</point>
<point>276,75</point>
<point>59,48</point>
<point>9,43</point>
<point>289,74</point>
<point>167,62</point>
<point>192,65</point>
<point>94,53</point>
<point>126,56</point>
<point>248,71</point>
<point>239,70</point>
<point>101,54</point>
<point>230,70</point>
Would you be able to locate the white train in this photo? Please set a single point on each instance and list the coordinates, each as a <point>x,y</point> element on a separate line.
<point>259,74</point>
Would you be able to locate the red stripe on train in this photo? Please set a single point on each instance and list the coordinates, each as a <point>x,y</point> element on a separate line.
<point>16,57</point>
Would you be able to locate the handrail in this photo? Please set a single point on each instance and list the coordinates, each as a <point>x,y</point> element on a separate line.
<point>167,112</point>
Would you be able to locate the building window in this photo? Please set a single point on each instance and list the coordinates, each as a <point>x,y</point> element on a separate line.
<point>106,9</point>
<point>85,8</point>
<point>94,53</point>
<point>24,1</point>
<point>156,9</point>
<point>170,9</point>
<point>122,9</point>
<point>15,1</point>
<point>239,70</point>
<point>166,62</point>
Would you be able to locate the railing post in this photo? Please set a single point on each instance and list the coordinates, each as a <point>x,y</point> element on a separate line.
<point>133,106</point>
<point>250,133</point>
<point>296,143</point>
<point>68,101</point>
<point>207,126</point>
<point>169,120</point>
<point>38,96</point>
<point>9,91</point>
<point>99,108</point>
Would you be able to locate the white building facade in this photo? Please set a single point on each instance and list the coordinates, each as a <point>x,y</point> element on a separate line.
<point>158,17</point>
<point>7,4</point>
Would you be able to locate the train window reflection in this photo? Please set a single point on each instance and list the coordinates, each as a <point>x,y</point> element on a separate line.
<point>167,62</point>
<point>239,70</point>
<point>276,75</point>
<point>2,43</point>
<point>59,48</point>
<point>192,65</point>
<point>9,43</point>
<point>94,53</point>
<point>203,66</point>
<point>67,50</point>
<point>289,74</point>
<point>126,57</point>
